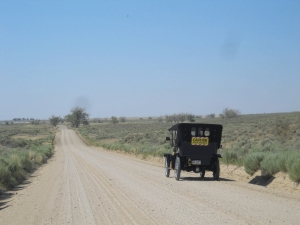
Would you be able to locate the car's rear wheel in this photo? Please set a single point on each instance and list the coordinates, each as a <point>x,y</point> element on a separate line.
<point>202,173</point>
<point>216,172</point>
<point>177,170</point>
<point>167,167</point>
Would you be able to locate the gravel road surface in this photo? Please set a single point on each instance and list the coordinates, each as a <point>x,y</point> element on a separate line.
<point>84,185</point>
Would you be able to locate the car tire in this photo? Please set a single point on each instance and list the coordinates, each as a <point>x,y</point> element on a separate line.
<point>202,173</point>
<point>216,172</point>
<point>167,167</point>
<point>177,169</point>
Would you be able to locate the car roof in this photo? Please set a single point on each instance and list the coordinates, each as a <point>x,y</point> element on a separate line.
<point>188,125</point>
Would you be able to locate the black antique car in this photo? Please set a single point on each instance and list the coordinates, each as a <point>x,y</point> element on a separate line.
<point>195,147</point>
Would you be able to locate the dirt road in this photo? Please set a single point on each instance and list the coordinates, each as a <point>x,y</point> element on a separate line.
<point>84,185</point>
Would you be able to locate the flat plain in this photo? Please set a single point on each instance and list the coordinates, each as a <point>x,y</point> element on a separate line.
<point>86,185</point>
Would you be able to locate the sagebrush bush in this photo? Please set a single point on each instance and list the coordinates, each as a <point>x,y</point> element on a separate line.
<point>19,147</point>
<point>252,162</point>
<point>282,161</point>
<point>270,164</point>
<point>230,157</point>
<point>39,159</point>
<point>293,166</point>
<point>5,174</point>
<point>16,163</point>
<point>25,162</point>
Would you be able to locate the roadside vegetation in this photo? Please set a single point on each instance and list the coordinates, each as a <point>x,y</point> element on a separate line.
<point>23,148</point>
<point>269,143</point>
<point>139,137</point>
<point>55,120</point>
<point>266,142</point>
<point>77,116</point>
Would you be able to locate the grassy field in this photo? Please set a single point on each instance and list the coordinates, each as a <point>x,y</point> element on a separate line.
<point>266,142</point>
<point>23,148</point>
<point>142,138</point>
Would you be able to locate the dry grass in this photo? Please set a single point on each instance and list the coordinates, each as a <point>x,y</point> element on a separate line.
<point>22,149</point>
<point>29,137</point>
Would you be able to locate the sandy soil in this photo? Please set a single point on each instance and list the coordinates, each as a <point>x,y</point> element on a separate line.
<point>279,181</point>
<point>84,185</point>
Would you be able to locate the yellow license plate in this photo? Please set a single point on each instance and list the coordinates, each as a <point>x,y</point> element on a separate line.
<point>200,141</point>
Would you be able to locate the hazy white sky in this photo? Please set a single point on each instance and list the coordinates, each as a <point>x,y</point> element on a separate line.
<point>148,58</point>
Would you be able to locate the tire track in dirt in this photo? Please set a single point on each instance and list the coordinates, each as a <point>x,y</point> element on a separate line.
<point>119,203</point>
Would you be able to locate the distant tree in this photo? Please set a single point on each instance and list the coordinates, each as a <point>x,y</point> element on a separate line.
<point>96,120</point>
<point>181,117</point>
<point>230,113</point>
<point>190,117</point>
<point>85,122</point>
<point>169,119</point>
<point>212,115</point>
<point>54,120</point>
<point>6,123</point>
<point>35,122</point>
<point>149,118</point>
<point>77,116</point>
<point>159,119</point>
<point>122,119</point>
<point>174,118</point>
<point>114,120</point>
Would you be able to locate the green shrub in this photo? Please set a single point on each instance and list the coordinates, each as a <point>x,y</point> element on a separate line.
<point>293,171</point>
<point>18,176</point>
<point>282,162</point>
<point>270,164</point>
<point>255,149</point>
<point>39,159</point>
<point>18,154</point>
<point>230,157</point>
<point>293,166</point>
<point>5,174</point>
<point>13,164</point>
<point>252,162</point>
<point>27,165</point>
<point>16,163</point>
